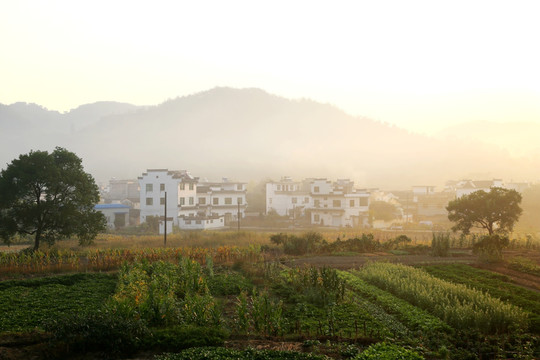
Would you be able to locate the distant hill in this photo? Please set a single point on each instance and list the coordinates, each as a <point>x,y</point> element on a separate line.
<point>250,134</point>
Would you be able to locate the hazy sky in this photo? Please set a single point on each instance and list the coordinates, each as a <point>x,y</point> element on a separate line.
<point>418,64</point>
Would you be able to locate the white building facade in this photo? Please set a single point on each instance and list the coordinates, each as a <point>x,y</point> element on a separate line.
<point>287,197</point>
<point>191,204</point>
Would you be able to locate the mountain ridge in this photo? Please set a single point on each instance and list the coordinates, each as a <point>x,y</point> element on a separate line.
<point>251,134</point>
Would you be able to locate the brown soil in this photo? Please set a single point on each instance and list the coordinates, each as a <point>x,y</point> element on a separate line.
<point>356,261</point>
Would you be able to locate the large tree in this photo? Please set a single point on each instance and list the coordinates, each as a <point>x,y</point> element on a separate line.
<point>495,211</point>
<point>48,196</point>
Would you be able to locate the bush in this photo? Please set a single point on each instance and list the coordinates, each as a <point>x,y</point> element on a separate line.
<point>298,245</point>
<point>249,354</point>
<point>490,247</point>
<point>440,244</point>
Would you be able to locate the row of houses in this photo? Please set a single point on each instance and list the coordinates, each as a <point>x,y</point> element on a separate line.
<point>192,203</point>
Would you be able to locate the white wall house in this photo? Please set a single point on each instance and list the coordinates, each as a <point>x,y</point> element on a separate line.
<point>286,196</point>
<point>466,187</point>
<point>190,204</point>
<point>338,203</point>
<point>155,182</point>
<point>226,199</point>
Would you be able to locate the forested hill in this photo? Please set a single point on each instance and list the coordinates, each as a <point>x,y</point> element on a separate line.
<point>250,134</point>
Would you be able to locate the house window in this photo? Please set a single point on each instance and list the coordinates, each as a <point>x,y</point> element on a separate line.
<point>279,188</point>
<point>198,222</point>
<point>269,201</point>
<point>228,201</point>
<point>239,200</point>
<point>161,187</point>
<point>191,200</point>
<point>215,201</point>
<point>182,201</point>
<point>182,186</point>
<point>294,200</point>
<point>364,201</point>
<point>162,201</point>
<point>317,203</point>
<point>337,203</point>
<point>316,217</point>
<point>239,187</point>
<point>190,186</point>
<point>149,187</point>
<point>202,201</point>
<point>306,200</point>
<point>149,201</point>
<point>188,222</point>
<point>315,189</point>
<point>351,203</point>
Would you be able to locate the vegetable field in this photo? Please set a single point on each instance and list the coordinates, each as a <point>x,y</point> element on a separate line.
<point>195,304</point>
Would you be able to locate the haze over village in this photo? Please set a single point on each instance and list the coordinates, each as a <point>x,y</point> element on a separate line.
<point>324,180</point>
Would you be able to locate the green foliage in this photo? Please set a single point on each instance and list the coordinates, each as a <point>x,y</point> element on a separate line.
<point>104,330</point>
<point>26,304</point>
<point>228,283</point>
<point>524,265</point>
<point>298,245</point>
<point>320,286</point>
<point>50,197</point>
<point>209,353</point>
<point>490,247</point>
<point>166,294</point>
<point>362,244</point>
<point>440,244</point>
<point>457,304</point>
<point>495,211</point>
<point>381,210</point>
<point>183,337</point>
<point>494,284</point>
<point>384,351</point>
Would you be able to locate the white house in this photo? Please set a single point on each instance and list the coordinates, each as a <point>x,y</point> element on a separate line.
<point>286,196</point>
<point>466,187</point>
<point>338,203</point>
<point>179,185</point>
<point>191,204</point>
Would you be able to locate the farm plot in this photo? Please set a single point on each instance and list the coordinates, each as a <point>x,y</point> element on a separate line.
<point>496,285</point>
<point>26,304</point>
<point>456,304</point>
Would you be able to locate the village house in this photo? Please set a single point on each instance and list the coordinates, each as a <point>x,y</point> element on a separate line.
<point>190,204</point>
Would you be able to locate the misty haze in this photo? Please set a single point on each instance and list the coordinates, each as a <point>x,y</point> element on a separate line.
<point>287,180</point>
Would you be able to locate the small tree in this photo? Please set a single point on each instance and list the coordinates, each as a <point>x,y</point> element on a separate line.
<point>496,211</point>
<point>50,197</point>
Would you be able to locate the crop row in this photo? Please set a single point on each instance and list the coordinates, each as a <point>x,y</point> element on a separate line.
<point>456,304</point>
<point>112,259</point>
<point>496,285</point>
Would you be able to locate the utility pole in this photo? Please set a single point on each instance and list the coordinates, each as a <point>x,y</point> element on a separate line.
<point>165,224</point>
<point>238,201</point>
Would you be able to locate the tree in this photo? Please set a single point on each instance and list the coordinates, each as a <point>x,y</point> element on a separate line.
<point>381,210</point>
<point>50,197</point>
<point>496,211</point>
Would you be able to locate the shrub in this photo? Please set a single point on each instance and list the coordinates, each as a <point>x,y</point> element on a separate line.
<point>440,244</point>
<point>490,247</point>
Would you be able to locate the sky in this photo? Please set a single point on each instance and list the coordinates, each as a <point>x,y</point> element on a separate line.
<point>420,65</point>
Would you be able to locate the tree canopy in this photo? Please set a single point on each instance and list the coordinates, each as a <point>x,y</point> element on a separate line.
<point>50,197</point>
<point>381,210</point>
<point>495,211</point>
